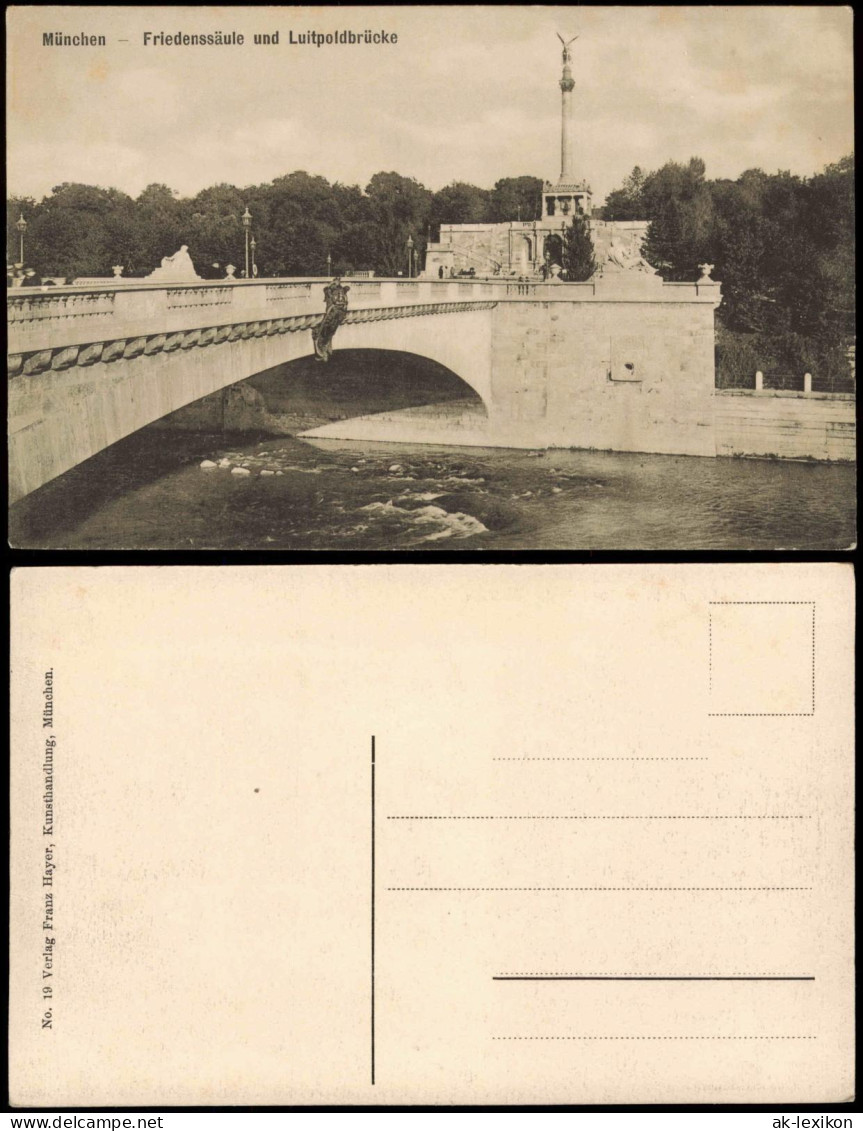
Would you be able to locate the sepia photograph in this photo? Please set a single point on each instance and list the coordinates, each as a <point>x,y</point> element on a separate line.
<point>431,278</point>
<point>357,838</point>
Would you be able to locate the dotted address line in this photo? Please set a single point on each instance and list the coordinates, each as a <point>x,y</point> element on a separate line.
<point>612,817</point>
<point>635,974</point>
<point>599,889</point>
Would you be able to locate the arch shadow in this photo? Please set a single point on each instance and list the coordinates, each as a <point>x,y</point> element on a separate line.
<point>361,382</point>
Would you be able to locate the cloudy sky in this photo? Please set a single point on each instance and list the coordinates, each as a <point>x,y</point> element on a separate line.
<point>467,93</point>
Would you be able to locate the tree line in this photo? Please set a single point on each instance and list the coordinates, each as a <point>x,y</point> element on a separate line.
<point>781,245</point>
<point>298,220</point>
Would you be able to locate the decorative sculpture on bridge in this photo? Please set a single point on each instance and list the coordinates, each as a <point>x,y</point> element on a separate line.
<point>336,298</point>
<point>176,268</point>
<point>625,257</point>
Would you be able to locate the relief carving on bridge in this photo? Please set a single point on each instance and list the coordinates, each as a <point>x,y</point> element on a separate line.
<point>36,362</point>
<point>134,348</point>
<point>89,355</point>
<point>113,350</point>
<point>64,357</point>
<point>155,345</point>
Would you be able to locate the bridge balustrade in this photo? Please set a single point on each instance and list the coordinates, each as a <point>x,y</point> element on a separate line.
<point>280,292</point>
<point>197,296</point>
<point>75,315</point>
<point>362,290</point>
<point>34,307</point>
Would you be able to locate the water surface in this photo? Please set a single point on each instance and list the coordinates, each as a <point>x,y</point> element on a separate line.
<point>150,492</point>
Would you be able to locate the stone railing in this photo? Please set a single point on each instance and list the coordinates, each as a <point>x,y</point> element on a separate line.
<point>63,327</point>
<point>31,363</point>
<point>629,285</point>
<point>281,292</point>
<point>197,296</point>
<point>34,306</point>
<point>72,316</point>
<point>360,289</point>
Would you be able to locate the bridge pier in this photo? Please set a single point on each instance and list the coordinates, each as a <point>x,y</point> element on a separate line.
<point>619,375</point>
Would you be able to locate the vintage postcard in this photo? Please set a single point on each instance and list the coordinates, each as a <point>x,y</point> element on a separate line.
<point>432,834</point>
<point>476,278</point>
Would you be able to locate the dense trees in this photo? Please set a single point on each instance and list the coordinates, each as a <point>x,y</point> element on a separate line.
<point>459,203</point>
<point>677,201</point>
<point>515,198</point>
<point>83,226</point>
<point>627,203</point>
<point>782,247</point>
<point>399,209</point>
<point>298,220</point>
<point>161,225</point>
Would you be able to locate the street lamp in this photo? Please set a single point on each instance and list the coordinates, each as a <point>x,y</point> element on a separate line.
<point>247,223</point>
<point>253,246</point>
<point>410,257</point>
<point>22,228</point>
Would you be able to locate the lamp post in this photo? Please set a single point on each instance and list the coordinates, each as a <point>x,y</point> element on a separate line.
<point>329,264</point>
<point>253,245</point>
<point>22,228</point>
<point>247,223</point>
<point>410,257</point>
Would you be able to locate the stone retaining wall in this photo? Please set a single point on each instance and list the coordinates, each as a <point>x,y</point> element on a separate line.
<point>786,425</point>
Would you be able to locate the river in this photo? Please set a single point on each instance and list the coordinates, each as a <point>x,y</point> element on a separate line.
<point>282,493</point>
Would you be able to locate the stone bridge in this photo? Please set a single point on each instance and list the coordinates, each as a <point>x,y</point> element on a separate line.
<point>619,364</point>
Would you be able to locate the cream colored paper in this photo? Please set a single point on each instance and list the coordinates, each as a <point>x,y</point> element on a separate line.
<point>585,771</point>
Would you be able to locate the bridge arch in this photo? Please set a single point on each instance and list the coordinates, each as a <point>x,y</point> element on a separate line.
<point>304,394</point>
<point>366,381</point>
<point>63,416</point>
